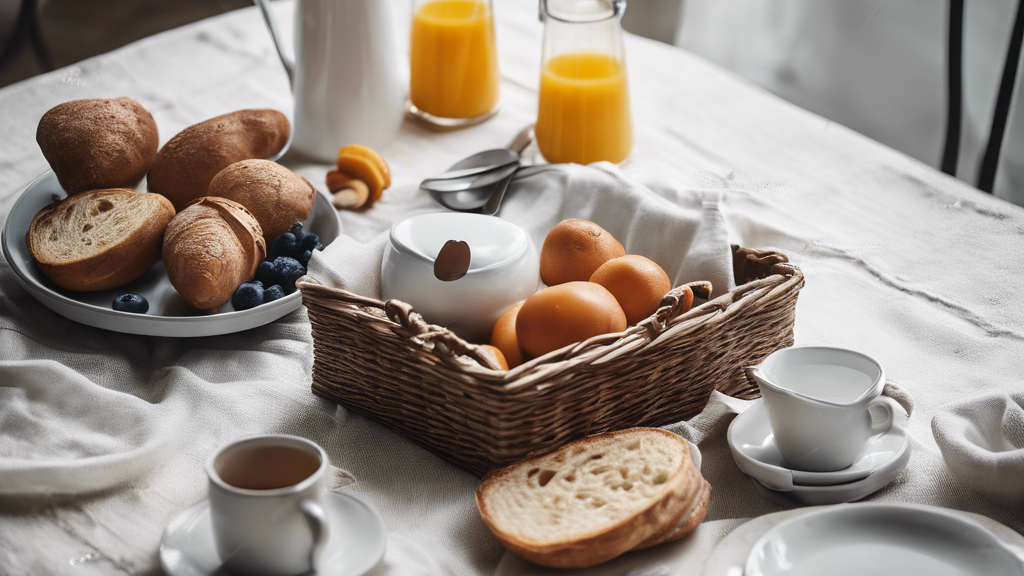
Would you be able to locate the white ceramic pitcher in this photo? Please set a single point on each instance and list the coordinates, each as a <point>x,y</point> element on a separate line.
<point>346,75</point>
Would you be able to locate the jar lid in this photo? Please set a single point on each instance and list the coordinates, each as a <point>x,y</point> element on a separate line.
<point>492,241</point>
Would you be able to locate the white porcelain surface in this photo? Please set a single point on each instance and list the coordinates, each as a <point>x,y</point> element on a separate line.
<point>823,404</point>
<point>348,82</point>
<point>881,539</point>
<point>730,554</point>
<point>504,270</point>
<point>356,544</point>
<point>753,449</point>
<point>168,314</point>
<point>275,532</point>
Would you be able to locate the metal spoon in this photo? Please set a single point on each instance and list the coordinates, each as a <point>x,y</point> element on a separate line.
<point>470,182</point>
<point>488,196</point>
<point>474,195</point>
<point>479,163</point>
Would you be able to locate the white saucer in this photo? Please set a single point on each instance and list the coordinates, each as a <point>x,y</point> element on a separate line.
<point>753,448</point>
<point>730,554</point>
<point>168,314</point>
<point>357,540</point>
<point>881,538</point>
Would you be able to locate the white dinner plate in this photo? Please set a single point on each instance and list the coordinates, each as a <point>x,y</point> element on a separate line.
<point>168,314</point>
<point>881,540</point>
<point>356,543</point>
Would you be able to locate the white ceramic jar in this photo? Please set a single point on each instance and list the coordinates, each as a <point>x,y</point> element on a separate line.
<point>504,270</point>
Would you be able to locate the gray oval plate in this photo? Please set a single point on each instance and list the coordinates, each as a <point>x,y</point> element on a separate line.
<point>168,314</point>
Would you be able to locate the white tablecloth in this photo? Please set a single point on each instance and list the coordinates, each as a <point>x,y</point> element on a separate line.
<point>903,263</point>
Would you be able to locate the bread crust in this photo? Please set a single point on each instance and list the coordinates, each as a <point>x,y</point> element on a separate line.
<point>184,167</point>
<point>98,143</point>
<point>210,248</point>
<point>119,263</point>
<point>275,195</point>
<point>603,545</point>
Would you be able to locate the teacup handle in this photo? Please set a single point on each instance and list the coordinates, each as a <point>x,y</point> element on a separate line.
<point>891,407</point>
<point>317,519</point>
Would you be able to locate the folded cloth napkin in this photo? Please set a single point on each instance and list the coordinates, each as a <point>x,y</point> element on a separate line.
<point>982,440</point>
<point>682,230</point>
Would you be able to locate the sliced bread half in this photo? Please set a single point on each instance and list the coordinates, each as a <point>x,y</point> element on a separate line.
<point>595,498</point>
<point>99,239</point>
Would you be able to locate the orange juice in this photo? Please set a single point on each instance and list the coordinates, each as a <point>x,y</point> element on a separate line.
<point>453,59</point>
<point>584,112</point>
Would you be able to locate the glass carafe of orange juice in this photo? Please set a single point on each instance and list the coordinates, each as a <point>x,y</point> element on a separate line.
<point>584,113</point>
<point>453,62</point>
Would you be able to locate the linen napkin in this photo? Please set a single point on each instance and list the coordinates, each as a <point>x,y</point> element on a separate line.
<point>982,441</point>
<point>682,230</point>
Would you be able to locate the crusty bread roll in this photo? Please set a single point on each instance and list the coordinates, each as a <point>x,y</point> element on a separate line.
<point>98,143</point>
<point>274,194</point>
<point>210,248</point>
<point>187,163</point>
<point>99,239</point>
<point>596,498</point>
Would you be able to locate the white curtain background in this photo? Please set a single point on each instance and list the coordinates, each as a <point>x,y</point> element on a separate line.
<point>876,66</point>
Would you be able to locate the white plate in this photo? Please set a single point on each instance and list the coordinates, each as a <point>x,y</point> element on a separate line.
<point>168,314</point>
<point>881,539</point>
<point>730,554</point>
<point>356,543</point>
<point>753,448</point>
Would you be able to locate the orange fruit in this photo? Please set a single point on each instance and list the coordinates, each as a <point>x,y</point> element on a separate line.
<point>565,314</point>
<point>362,163</point>
<point>574,249</point>
<point>495,355</point>
<point>637,283</point>
<point>504,337</point>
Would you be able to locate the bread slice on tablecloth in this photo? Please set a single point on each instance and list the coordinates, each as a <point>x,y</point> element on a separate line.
<point>99,239</point>
<point>596,498</point>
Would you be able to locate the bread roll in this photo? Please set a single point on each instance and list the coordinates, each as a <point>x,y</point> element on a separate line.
<point>596,498</point>
<point>210,248</point>
<point>99,239</point>
<point>275,195</point>
<point>98,143</point>
<point>187,163</point>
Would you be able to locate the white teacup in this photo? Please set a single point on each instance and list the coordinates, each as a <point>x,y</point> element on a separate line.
<point>265,502</point>
<point>823,404</point>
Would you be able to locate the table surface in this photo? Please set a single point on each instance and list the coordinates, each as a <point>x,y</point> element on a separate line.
<point>902,262</point>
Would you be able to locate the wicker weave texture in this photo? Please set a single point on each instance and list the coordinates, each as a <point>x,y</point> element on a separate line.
<point>382,360</point>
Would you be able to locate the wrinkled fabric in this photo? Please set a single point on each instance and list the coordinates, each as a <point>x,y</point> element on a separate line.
<point>982,440</point>
<point>909,266</point>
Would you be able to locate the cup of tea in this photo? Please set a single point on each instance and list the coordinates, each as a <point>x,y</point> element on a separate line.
<point>823,404</point>
<point>266,504</point>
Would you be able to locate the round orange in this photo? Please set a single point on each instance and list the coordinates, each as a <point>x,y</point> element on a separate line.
<point>637,283</point>
<point>495,355</point>
<point>504,337</point>
<point>574,249</point>
<point>565,314</point>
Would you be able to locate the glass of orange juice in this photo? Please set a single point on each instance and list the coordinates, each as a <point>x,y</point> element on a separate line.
<point>453,62</point>
<point>584,113</point>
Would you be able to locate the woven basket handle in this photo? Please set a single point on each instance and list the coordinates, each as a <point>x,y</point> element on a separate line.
<point>446,342</point>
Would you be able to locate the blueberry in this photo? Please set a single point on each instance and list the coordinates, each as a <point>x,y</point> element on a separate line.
<point>273,293</point>
<point>290,270</point>
<point>304,259</point>
<point>248,295</point>
<point>131,303</point>
<point>309,242</point>
<point>284,245</point>
<point>267,274</point>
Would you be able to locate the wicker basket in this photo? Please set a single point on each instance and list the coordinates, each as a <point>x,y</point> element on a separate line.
<point>382,360</point>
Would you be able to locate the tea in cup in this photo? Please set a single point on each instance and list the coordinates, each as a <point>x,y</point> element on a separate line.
<point>823,405</point>
<point>266,504</point>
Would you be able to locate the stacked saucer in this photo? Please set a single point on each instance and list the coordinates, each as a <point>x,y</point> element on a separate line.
<point>755,452</point>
